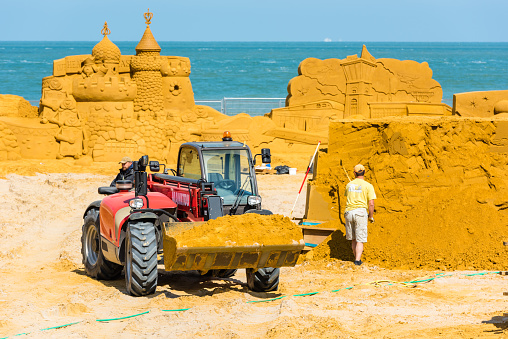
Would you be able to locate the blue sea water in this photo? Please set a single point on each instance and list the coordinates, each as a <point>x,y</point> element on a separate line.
<point>263,69</point>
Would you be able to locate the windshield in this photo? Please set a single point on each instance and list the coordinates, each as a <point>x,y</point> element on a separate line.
<point>229,170</point>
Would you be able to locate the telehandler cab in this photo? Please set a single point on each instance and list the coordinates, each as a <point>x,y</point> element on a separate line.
<point>130,229</point>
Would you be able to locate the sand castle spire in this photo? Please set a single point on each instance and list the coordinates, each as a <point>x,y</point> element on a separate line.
<point>105,30</point>
<point>148,17</point>
<point>148,42</point>
<point>366,54</point>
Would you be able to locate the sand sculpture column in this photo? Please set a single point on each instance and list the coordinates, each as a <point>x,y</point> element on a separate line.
<point>146,70</point>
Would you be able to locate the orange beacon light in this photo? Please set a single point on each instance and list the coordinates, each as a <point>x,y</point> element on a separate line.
<point>227,136</point>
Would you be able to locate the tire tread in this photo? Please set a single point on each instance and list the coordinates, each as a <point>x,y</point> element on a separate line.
<point>144,259</point>
<point>103,269</point>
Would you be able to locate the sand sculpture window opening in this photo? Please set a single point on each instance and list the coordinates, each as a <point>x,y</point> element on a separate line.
<point>354,107</point>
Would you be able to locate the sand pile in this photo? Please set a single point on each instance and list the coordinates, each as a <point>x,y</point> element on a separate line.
<point>441,186</point>
<point>241,230</point>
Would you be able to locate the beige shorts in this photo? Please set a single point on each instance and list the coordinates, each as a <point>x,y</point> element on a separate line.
<point>356,224</point>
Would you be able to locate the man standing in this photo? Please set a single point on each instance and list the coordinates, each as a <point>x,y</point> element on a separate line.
<point>126,172</point>
<point>360,197</point>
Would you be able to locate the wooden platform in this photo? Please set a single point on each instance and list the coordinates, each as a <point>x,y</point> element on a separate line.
<point>313,235</point>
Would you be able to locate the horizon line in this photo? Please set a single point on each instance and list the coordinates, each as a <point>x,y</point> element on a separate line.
<point>265,41</point>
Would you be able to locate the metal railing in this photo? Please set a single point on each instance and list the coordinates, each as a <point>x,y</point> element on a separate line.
<point>232,106</point>
<point>251,106</point>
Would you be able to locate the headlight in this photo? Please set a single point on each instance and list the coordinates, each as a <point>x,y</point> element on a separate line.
<point>136,203</point>
<point>254,200</point>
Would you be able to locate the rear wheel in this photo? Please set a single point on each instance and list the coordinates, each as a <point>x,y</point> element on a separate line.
<point>141,258</point>
<point>263,279</point>
<point>96,265</point>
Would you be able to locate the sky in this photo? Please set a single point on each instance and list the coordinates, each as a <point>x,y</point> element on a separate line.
<point>260,20</point>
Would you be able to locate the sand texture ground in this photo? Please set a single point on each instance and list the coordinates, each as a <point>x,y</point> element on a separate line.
<point>43,284</point>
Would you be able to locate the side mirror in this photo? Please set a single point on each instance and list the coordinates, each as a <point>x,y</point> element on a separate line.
<point>143,161</point>
<point>107,190</point>
<point>154,166</point>
<point>266,157</point>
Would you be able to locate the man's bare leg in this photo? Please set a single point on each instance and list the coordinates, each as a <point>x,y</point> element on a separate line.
<point>358,250</point>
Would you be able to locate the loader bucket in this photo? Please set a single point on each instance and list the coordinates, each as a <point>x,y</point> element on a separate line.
<point>204,258</point>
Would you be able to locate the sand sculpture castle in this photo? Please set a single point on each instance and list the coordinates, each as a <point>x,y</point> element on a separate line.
<point>109,105</point>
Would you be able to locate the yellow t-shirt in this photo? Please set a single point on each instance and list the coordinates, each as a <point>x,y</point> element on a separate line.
<point>358,193</point>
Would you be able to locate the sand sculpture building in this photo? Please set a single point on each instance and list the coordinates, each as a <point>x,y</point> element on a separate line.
<point>358,87</point>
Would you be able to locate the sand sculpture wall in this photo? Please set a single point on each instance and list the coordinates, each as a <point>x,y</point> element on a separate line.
<point>441,184</point>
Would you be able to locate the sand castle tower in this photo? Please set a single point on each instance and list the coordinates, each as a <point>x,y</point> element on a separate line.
<point>146,72</point>
<point>358,83</point>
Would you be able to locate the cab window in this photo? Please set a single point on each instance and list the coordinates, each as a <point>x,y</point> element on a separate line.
<point>188,164</point>
<point>229,170</point>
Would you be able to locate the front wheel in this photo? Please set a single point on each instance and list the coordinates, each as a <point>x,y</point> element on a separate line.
<point>96,265</point>
<point>263,279</point>
<point>141,258</point>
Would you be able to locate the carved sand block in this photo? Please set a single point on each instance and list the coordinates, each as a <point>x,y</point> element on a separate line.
<point>31,139</point>
<point>481,104</point>
<point>441,187</point>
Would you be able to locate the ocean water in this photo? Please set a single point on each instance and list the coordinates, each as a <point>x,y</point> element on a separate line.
<point>263,69</point>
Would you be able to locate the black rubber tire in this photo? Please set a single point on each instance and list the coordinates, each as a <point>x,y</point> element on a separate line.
<point>96,265</point>
<point>263,279</point>
<point>141,258</point>
<point>224,273</point>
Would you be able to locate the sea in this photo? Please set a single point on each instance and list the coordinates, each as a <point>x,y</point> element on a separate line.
<point>263,69</point>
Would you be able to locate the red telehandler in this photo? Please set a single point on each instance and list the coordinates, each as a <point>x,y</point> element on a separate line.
<point>131,226</point>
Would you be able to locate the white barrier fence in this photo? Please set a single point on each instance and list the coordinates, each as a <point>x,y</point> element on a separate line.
<point>251,106</point>
<point>233,106</point>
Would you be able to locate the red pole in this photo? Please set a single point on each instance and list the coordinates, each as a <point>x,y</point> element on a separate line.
<point>306,173</point>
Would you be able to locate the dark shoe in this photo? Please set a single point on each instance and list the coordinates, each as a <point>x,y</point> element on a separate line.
<point>358,262</point>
